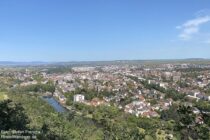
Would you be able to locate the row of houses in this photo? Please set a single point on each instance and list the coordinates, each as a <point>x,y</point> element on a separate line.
<point>140,108</point>
<point>79,98</point>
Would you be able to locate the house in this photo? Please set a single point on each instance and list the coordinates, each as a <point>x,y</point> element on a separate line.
<point>151,82</point>
<point>141,98</point>
<point>167,75</point>
<point>176,78</point>
<point>79,98</point>
<point>150,113</point>
<point>140,108</point>
<point>97,102</point>
<point>163,85</point>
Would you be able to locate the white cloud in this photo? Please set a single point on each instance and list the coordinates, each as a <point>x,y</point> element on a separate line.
<point>191,27</point>
<point>188,32</point>
<point>197,21</point>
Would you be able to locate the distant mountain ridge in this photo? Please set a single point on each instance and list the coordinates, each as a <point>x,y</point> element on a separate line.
<point>37,63</point>
<point>22,63</point>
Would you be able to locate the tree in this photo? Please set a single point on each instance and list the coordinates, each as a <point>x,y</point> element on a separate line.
<point>12,116</point>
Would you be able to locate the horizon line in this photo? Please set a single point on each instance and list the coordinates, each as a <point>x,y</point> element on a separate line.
<point>11,61</point>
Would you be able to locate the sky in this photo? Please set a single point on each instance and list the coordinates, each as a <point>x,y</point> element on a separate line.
<point>97,30</point>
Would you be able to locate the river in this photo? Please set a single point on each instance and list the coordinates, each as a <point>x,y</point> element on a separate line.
<point>55,104</point>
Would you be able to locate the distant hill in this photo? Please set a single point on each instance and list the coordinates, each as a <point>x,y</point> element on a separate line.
<point>114,62</point>
<point>11,63</point>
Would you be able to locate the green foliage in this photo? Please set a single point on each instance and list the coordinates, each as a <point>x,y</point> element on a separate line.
<point>182,120</point>
<point>12,116</point>
<point>115,127</point>
<point>203,105</point>
<point>108,122</point>
<point>55,126</point>
<point>149,124</point>
<point>186,116</point>
<point>208,91</point>
<point>36,109</point>
<point>126,101</point>
<point>153,101</point>
<point>49,87</point>
<point>3,96</point>
<point>61,69</point>
<point>161,135</point>
<point>170,114</point>
<point>38,77</point>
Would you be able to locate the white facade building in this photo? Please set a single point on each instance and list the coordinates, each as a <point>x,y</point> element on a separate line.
<point>79,98</point>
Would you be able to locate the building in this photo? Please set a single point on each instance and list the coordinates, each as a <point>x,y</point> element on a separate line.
<point>176,78</point>
<point>193,95</point>
<point>163,85</point>
<point>97,102</point>
<point>79,98</point>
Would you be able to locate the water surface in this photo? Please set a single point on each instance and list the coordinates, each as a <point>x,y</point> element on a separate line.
<point>55,104</point>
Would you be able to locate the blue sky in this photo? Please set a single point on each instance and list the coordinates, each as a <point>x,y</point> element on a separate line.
<point>83,30</point>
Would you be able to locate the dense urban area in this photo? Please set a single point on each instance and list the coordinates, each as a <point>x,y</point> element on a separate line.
<point>110,101</point>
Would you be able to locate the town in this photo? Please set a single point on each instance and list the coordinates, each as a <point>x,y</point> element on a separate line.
<point>138,90</point>
<point>126,90</point>
<point>105,70</point>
